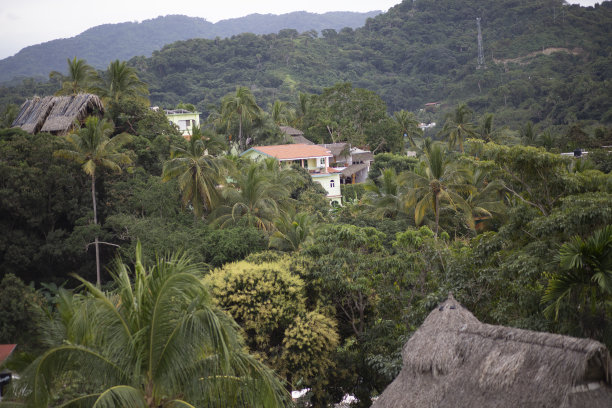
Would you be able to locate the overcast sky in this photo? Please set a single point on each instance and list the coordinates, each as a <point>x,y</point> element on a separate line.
<point>29,22</point>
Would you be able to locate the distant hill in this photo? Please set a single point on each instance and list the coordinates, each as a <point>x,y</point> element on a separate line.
<point>101,44</point>
<point>545,61</point>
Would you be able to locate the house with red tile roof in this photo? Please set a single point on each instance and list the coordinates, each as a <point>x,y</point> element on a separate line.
<point>313,158</point>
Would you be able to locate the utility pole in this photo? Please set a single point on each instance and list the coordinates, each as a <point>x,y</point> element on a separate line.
<point>481,63</point>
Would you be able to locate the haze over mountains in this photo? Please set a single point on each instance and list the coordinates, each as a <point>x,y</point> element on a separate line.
<point>101,44</point>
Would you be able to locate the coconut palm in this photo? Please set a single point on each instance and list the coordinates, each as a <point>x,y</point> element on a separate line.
<point>584,278</point>
<point>302,108</point>
<point>409,126</point>
<point>385,196</point>
<point>91,146</point>
<point>156,340</point>
<point>437,180</point>
<point>528,134</point>
<point>252,200</point>
<point>486,197</point>
<point>458,126</point>
<point>121,81</point>
<point>81,77</point>
<point>485,131</point>
<point>292,231</point>
<point>281,113</point>
<point>282,176</point>
<point>198,174</point>
<point>213,143</point>
<point>242,105</point>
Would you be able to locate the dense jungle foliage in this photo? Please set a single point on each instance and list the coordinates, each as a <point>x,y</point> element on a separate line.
<point>324,296</point>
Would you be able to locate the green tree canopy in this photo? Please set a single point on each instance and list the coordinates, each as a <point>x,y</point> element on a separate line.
<point>342,114</point>
<point>121,81</point>
<point>198,174</point>
<point>240,105</point>
<point>156,340</point>
<point>81,78</point>
<point>92,147</point>
<point>267,297</point>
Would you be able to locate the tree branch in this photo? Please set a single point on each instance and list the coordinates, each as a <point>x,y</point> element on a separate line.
<point>101,242</point>
<point>539,207</point>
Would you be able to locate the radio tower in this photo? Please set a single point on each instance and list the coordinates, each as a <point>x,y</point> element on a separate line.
<point>481,63</point>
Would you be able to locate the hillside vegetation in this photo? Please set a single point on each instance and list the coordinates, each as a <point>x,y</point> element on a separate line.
<point>418,52</point>
<point>483,205</point>
<point>102,44</point>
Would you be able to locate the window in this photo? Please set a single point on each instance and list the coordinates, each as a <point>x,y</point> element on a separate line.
<point>322,161</point>
<point>332,183</point>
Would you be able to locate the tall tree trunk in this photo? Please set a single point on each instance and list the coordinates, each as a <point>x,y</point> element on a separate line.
<point>240,133</point>
<point>437,213</point>
<point>97,245</point>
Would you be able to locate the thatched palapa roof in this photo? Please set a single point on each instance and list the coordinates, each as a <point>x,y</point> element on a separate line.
<point>454,360</point>
<point>56,114</point>
<point>297,136</point>
<point>353,169</point>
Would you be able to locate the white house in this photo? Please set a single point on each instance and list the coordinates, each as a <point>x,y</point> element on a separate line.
<point>184,119</point>
<point>313,158</point>
<point>352,162</point>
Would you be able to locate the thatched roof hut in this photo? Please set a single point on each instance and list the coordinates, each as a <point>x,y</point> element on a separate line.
<point>297,136</point>
<point>454,360</point>
<point>56,114</point>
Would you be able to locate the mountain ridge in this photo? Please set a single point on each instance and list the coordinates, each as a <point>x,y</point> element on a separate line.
<point>107,42</point>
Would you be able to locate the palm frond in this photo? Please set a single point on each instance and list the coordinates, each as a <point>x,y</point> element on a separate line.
<point>121,396</point>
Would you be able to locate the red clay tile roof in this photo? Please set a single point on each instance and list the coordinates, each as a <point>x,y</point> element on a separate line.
<point>5,351</point>
<point>293,151</point>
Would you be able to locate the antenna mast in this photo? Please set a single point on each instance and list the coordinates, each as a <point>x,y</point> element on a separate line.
<point>481,63</point>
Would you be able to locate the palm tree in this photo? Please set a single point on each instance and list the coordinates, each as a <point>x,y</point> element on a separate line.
<point>528,134</point>
<point>156,340</point>
<point>198,174</point>
<point>437,179</point>
<point>408,125</point>
<point>213,142</point>
<point>385,195</point>
<point>281,113</point>
<point>241,105</point>
<point>485,198</point>
<point>81,77</point>
<point>253,200</point>
<point>458,126</point>
<point>303,106</point>
<point>92,147</point>
<point>292,231</point>
<point>121,81</point>
<point>584,279</point>
<point>486,128</point>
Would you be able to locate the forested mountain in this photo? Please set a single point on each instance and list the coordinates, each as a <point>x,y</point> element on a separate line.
<point>484,206</point>
<point>545,61</point>
<point>101,44</point>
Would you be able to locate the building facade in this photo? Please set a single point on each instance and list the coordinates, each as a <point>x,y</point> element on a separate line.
<point>315,159</point>
<point>184,119</point>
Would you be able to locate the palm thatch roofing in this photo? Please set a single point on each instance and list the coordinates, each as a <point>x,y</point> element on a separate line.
<point>56,114</point>
<point>301,140</point>
<point>297,136</point>
<point>353,169</point>
<point>291,131</point>
<point>454,360</point>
